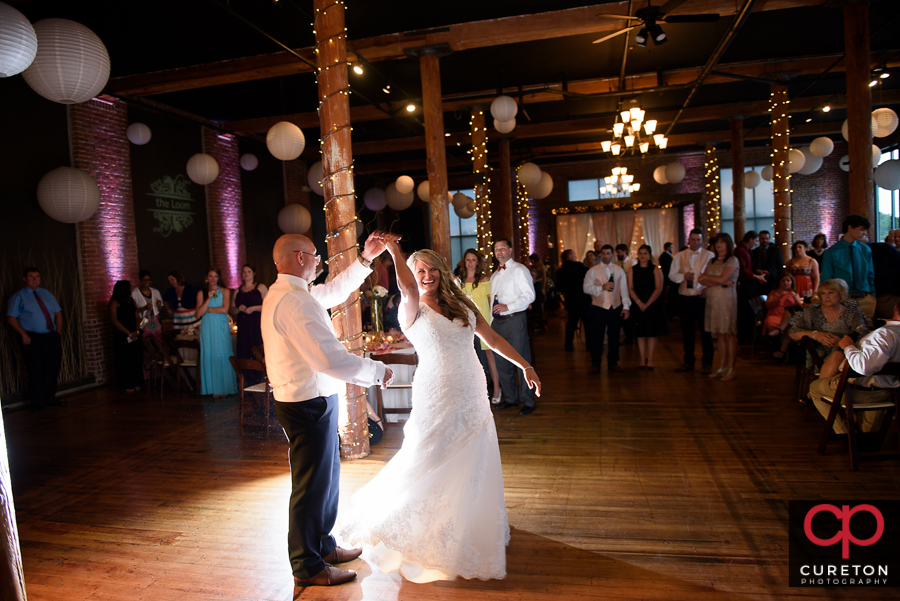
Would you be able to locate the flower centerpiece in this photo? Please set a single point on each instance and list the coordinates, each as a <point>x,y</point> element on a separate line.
<point>378,294</point>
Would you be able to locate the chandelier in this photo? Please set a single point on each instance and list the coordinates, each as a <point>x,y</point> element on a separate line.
<point>627,134</point>
<point>618,185</point>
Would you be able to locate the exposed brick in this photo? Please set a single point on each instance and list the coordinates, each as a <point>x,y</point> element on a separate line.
<point>224,208</point>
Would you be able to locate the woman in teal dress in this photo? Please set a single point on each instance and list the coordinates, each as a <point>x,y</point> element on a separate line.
<point>216,374</point>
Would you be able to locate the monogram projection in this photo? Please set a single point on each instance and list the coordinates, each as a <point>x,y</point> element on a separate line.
<point>171,205</point>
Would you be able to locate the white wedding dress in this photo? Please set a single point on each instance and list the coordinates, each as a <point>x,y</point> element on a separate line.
<point>436,510</point>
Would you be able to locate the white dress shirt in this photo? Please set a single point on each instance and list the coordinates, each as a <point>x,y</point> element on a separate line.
<point>512,286</point>
<point>597,276</point>
<point>689,260</point>
<point>304,358</point>
<point>872,351</point>
<point>627,263</point>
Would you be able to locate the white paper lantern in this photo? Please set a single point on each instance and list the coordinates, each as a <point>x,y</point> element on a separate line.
<point>314,178</point>
<point>405,184</point>
<point>528,174</point>
<point>471,206</point>
<point>285,141</point>
<point>821,147</point>
<point>459,200</point>
<point>448,198</point>
<point>659,175</point>
<point>69,195</point>
<point>844,163</point>
<point>767,173</point>
<point>796,160</point>
<point>504,108</point>
<point>811,163</point>
<point>876,156</point>
<point>504,127</point>
<point>294,219</point>
<point>202,169</point>
<point>845,131</point>
<point>374,199</point>
<point>675,172</point>
<point>138,133</point>
<point>424,191</point>
<point>887,122</point>
<point>543,187</point>
<point>71,64</point>
<point>887,175</point>
<point>751,179</point>
<point>18,42</point>
<point>396,200</point>
<point>249,162</point>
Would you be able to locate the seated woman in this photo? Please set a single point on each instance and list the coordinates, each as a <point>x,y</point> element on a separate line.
<point>777,317</point>
<point>805,270</point>
<point>180,301</point>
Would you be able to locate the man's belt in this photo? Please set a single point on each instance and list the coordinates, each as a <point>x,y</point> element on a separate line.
<point>855,296</point>
<point>508,316</point>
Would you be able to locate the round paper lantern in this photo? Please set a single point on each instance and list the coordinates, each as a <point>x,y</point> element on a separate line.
<point>504,127</point>
<point>887,122</point>
<point>396,200</point>
<point>767,173</point>
<point>69,195</point>
<point>876,156</point>
<point>463,211</point>
<point>528,174</point>
<point>314,178</point>
<point>471,206</point>
<point>675,172</point>
<point>448,197</point>
<point>374,199</point>
<point>18,42</point>
<point>459,200</point>
<point>504,108</point>
<point>249,162</point>
<point>71,64</point>
<point>821,147</point>
<point>887,175</point>
<point>844,163</point>
<point>138,133</point>
<point>659,175</point>
<point>424,191</point>
<point>294,219</point>
<point>811,163</point>
<point>405,184</point>
<point>796,160</point>
<point>285,141</point>
<point>543,187</point>
<point>202,169</point>
<point>846,132</point>
<point>751,179</point>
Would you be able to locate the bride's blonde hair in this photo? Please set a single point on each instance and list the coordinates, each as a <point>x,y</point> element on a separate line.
<point>450,296</point>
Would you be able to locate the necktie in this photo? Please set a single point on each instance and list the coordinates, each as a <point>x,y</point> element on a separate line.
<point>44,310</point>
<point>501,268</point>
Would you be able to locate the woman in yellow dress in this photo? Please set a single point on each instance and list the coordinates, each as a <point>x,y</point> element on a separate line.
<point>477,285</point>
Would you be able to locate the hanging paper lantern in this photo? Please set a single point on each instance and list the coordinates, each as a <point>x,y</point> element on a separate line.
<point>528,174</point>
<point>796,160</point>
<point>767,173</point>
<point>294,219</point>
<point>396,200</point>
<point>459,200</point>
<point>844,163</point>
<point>285,141</point>
<point>69,195</point>
<point>887,122</point>
<point>448,198</point>
<point>471,206</point>
<point>71,64</point>
<point>846,132</point>
<point>751,179</point>
<point>887,175</point>
<point>504,127</point>
<point>405,184</point>
<point>314,178</point>
<point>424,191</point>
<point>821,147</point>
<point>504,108</point>
<point>138,133</point>
<point>543,187</point>
<point>675,172</point>
<point>811,162</point>
<point>202,169</point>
<point>249,162</point>
<point>18,42</point>
<point>876,156</point>
<point>374,199</point>
<point>659,175</point>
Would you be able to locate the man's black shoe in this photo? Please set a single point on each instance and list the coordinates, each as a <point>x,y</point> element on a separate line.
<point>526,410</point>
<point>504,405</point>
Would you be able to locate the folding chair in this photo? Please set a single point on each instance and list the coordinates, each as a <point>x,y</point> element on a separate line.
<point>161,363</point>
<point>187,360</point>
<point>263,388</point>
<point>805,375</point>
<point>393,359</point>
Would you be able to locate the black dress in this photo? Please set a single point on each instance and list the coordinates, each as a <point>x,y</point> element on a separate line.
<point>652,322</point>
<point>128,357</point>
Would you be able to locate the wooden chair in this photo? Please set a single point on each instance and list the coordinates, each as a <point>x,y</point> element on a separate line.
<point>259,352</point>
<point>240,365</point>
<point>192,363</point>
<point>843,401</point>
<point>393,359</point>
<point>161,363</point>
<point>805,375</point>
<point>758,305</point>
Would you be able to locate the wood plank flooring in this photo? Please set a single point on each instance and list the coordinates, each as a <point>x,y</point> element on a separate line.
<point>642,485</point>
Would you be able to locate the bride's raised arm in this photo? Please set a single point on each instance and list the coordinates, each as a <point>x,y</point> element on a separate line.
<point>409,290</point>
<point>499,345</point>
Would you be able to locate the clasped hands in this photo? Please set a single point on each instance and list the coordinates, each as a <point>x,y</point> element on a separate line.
<point>377,242</point>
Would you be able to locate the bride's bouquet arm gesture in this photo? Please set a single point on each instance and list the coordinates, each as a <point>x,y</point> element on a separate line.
<point>406,281</point>
<point>499,345</point>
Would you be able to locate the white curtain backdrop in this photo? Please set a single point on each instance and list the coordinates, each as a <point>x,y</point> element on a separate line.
<point>575,232</point>
<point>657,226</point>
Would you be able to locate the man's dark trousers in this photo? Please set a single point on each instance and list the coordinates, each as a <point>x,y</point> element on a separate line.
<point>692,315</point>
<point>605,321</point>
<point>514,330</point>
<point>576,312</point>
<point>42,361</point>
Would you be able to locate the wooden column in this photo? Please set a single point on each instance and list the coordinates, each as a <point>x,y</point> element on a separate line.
<point>737,176</point>
<point>859,108</point>
<point>482,180</point>
<point>503,207</point>
<point>13,581</point>
<point>781,176</point>
<point>711,189</point>
<point>430,67</point>
<point>340,205</point>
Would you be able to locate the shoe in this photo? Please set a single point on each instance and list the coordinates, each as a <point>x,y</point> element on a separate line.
<point>341,555</point>
<point>729,375</point>
<point>594,370</point>
<point>651,367</point>
<point>527,410</point>
<point>504,405</point>
<point>495,400</point>
<point>616,368</point>
<point>684,368</point>
<point>706,369</point>
<point>330,576</point>
<point>642,367</point>
<point>721,372</point>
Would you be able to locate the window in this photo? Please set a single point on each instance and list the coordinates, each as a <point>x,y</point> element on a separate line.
<point>759,203</point>
<point>463,232</point>
<point>888,208</point>
<point>584,189</point>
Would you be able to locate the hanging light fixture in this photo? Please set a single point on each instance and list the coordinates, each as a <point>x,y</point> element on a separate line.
<point>627,132</point>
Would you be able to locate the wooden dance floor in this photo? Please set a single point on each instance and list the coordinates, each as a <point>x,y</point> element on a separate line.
<point>642,485</point>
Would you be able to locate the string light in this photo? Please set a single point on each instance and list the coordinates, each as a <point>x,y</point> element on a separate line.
<point>713,193</point>
<point>482,181</point>
<point>781,179</point>
<point>522,205</point>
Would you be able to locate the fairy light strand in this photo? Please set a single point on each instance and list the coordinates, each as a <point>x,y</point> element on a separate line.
<point>522,206</point>
<point>713,194</point>
<point>781,154</point>
<point>482,190</point>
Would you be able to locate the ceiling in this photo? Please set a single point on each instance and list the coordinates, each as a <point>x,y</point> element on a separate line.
<point>221,60</point>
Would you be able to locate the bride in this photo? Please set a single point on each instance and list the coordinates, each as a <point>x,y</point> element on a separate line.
<point>436,510</point>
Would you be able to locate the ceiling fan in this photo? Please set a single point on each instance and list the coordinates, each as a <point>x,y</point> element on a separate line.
<point>649,16</point>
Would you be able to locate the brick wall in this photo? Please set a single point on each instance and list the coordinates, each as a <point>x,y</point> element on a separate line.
<point>107,245</point>
<point>295,180</point>
<point>224,208</point>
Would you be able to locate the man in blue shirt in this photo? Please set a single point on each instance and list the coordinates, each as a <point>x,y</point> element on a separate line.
<point>36,316</point>
<point>850,259</point>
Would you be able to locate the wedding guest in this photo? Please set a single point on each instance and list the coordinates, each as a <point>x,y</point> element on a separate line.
<point>686,268</point>
<point>477,286</point>
<point>748,286</point>
<point>180,301</point>
<point>148,301</point>
<point>246,307</point>
<point>622,258</point>
<point>127,347</point>
<point>850,259</point>
<point>886,261</point>
<point>589,259</point>
<point>767,261</point>
<point>216,374</point>
<point>645,287</point>
<point>665,263</point>
<point>777,317</point>
<point>37,318</point>
<point>539,275</point>
<point>819,244</point>
<point>720,278</point>
<point>610,305</point>
<point>805,270</point>
<point>570,282</point>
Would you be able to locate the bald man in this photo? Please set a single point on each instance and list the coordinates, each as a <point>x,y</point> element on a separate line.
<point>307,366</point>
